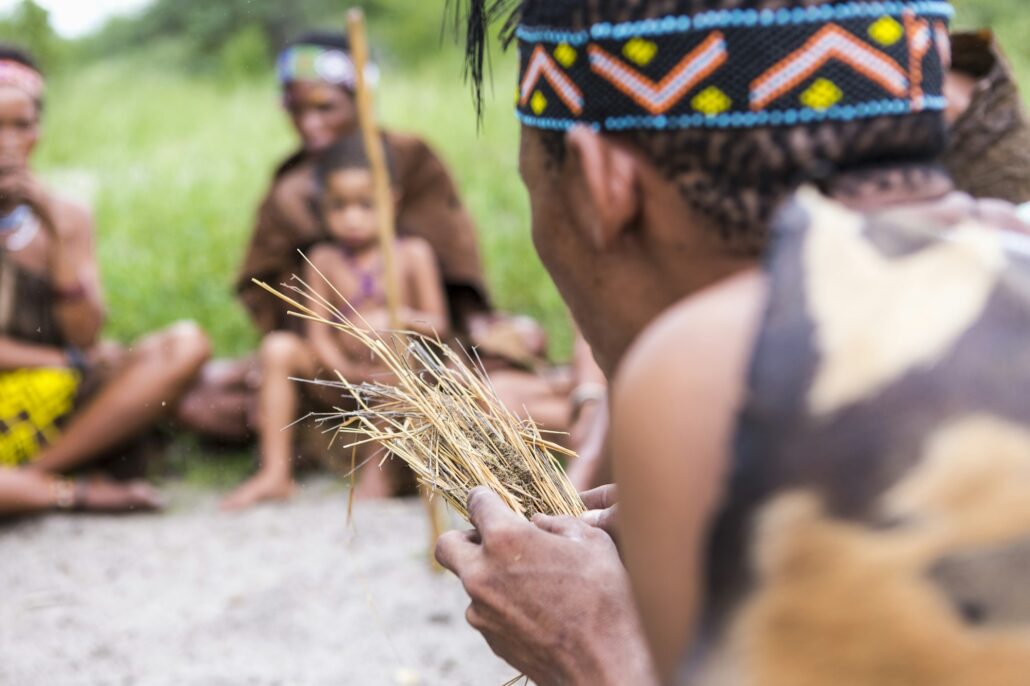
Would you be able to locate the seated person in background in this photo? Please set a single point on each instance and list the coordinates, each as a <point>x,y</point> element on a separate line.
<point>66,400</point>
<point>317,78</point>
<point>349,263</point>
<point>569,401</point>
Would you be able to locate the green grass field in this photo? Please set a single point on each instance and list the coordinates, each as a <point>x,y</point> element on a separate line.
<point>175,164</point>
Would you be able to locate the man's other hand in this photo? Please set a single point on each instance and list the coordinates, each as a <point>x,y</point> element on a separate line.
<point>550,596</point>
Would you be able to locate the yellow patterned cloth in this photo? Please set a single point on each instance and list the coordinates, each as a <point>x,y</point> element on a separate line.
<point>32,403</point>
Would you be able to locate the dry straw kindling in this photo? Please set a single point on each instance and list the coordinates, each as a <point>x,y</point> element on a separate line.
<point>441,417</point>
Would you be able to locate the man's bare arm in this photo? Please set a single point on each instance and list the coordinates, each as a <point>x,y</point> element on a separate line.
<point>75,275</point>
<point>17,355</point>
<point>675,403</point>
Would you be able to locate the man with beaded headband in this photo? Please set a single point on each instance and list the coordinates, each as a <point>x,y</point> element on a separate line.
<point>821,462</point>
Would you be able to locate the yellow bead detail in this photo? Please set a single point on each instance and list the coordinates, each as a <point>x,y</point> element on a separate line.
<point>886,31</point>
<point>538,102</point>
<point>640,51</point>
<point>822,95</point>
<point>711,101</point>
<point>566,55</point>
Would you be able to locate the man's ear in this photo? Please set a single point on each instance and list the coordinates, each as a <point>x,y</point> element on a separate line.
<point>608,175</point>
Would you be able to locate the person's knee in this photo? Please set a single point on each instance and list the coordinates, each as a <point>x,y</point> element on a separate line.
<point>181,349</point>
<point>190,346</point>
<point>280,348</point>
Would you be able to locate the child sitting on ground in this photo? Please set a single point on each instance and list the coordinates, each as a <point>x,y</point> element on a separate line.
<point>351,262</point>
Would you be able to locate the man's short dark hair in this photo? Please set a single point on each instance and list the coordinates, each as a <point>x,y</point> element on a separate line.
<point>736,177</point>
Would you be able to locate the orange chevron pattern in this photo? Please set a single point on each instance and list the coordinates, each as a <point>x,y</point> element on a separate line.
<point>919,42</point>
<point>541,66</point>
<point>658,98</point>
<point>830,43</point>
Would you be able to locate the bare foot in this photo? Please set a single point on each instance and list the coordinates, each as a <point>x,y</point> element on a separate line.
<point>259,488</point>
<point>100,494</point>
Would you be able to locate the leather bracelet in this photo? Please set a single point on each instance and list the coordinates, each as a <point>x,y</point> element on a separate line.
<point>63,493</point>
<point>76,360</point>
<point>586,393</point>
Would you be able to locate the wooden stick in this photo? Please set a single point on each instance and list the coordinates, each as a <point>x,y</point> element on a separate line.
<point>384,203</point>
<point>383,190</point>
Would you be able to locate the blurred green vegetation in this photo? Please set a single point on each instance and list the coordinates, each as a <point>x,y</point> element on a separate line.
<point>168,123</point>
<point>1009,20</point>
<point>174,162</point>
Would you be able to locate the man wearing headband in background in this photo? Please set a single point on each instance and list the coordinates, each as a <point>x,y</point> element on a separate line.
<point>67,402</point>
<point>318,80</point>
<point>822,454</point>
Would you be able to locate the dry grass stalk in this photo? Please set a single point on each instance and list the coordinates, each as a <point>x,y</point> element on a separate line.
<point>443,419</point>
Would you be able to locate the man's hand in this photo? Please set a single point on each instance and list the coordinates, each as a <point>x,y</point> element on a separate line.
<point>602,510</point>
<point>549,596</point>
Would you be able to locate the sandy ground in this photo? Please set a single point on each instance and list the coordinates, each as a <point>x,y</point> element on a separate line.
<point>282,594</point>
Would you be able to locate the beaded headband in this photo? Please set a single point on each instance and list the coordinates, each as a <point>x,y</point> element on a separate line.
<point>316,63</point>
<point>738,68</point>
<point>22,77</point>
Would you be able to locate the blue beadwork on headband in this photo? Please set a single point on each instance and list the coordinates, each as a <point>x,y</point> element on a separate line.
<point>738,68</point>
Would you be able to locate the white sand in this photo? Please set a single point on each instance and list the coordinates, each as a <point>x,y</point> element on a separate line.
<point>279,595</point>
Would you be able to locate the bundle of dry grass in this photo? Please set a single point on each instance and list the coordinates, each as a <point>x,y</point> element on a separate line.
<point>443,419</point>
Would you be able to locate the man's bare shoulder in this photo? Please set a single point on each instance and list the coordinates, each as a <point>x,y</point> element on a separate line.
<point>694,360</point>
<point>715,326</point>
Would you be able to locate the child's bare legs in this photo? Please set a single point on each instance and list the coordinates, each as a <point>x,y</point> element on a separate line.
<point>160,369</point>
<point>283,355</point>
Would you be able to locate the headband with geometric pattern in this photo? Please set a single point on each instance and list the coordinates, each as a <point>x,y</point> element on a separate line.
<point>317,63</point>
<point>738,68</point>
